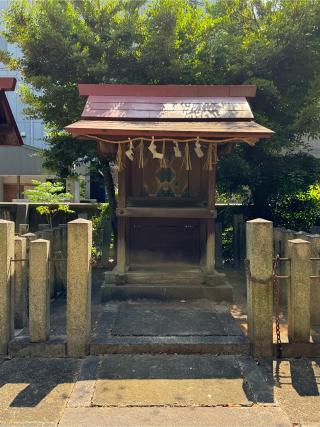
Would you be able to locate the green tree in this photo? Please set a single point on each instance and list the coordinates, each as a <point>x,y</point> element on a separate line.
<point>64,43</point>
<point>275,45</point>
<point>271,43</point>
<point>54,197</point>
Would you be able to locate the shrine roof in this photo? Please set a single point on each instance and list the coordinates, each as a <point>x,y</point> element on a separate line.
<point>9,132</point>
<point>168,110</point>
<point>166,102</point>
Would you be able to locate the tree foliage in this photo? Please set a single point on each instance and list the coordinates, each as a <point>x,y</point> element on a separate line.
<point>54,197</point>
<point>274,44</point>
<point>298,211</point>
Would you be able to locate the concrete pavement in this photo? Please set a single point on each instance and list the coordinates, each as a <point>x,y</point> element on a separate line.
<point>159,390</point>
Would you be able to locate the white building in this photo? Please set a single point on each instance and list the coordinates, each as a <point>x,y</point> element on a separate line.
<point>20,165</point>
<point>32,131</point>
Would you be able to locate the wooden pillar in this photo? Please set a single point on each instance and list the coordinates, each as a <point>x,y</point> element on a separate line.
<point>210,246</point>
<point>238,240</point>
<point>210,241</point>
<point>121,245</point>
<point>18,187</point>
<point>218,245</point>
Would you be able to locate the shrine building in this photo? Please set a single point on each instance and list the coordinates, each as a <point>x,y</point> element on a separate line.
<point>167,140</point>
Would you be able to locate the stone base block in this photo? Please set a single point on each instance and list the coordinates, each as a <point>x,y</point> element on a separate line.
<point>170,345</point>
<point>23,347</point>
<point>165,293</point>
<point>166,285</point>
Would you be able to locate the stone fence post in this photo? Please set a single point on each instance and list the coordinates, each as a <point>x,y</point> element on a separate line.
<point>6,291</point>
<point>23,229</point>
<point>63,235</point>
<point>259,236</point>
<point>20,282</point>
<point>314,240</point>
<point>79,287</point>
<point>47,234</point>
<point>277,241</point>
<point>285,266</point>
<point>39,290</point>
<point>299,291</point>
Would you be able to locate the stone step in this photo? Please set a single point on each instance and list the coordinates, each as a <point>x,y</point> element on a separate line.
<point>166,292</point>
<point>170,345</point>
<point>192,277</point>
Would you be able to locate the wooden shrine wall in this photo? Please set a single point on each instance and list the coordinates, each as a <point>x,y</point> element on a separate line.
<point>171,183</point>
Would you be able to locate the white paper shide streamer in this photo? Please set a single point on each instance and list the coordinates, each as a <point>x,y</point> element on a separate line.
<point>176,149</point>
<point>129,152</point>
<point>153,149</point>
<point>198,149</point>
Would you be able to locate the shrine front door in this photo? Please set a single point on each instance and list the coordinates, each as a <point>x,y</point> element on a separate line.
<point>167,240</point>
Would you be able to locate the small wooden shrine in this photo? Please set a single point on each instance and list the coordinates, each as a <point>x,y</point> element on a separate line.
<point>167,141</point>
<point>9,133</point>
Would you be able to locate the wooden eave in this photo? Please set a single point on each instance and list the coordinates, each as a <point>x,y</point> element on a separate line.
<point>7,83</point>
<point>9,132</point>
<point>115,129</point>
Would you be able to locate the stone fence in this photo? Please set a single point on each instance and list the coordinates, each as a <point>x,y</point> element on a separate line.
<point>31,272</point>
<point>57,237</point>
<point>25,281</point>
<point>281,237</point>
<point>298,278</point>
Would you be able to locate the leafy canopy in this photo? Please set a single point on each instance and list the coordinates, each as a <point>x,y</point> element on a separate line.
<point>274,44</point>
<point>51,193</point>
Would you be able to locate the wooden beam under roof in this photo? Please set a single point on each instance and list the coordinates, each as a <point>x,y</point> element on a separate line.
<point>167,90</point>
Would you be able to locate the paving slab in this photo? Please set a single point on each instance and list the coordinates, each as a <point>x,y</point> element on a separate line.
<point>175,319</point>
<point>35,391</point>
<point>83,390</point>
<point>146,366</point>
<point>171,380</point>
<point>156,392</point>
<point>297,389</point>
<point>175,417</point>
<point>31,417</point>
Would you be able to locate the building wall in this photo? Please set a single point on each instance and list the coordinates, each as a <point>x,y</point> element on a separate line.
<point>32,131</point>
<point>315,148</point>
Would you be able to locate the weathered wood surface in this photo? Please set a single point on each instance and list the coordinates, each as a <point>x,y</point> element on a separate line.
<point>162,240</point>
<point>157,212</point>
<point>167,90</point>
<point>166,107</point>
<point>171,129</point>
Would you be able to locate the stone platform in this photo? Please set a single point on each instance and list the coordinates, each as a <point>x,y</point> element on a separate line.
<point>136,327</point>
<point>172,327</point>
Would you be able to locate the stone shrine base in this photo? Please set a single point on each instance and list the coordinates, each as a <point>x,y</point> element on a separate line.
<point>162,282</point>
